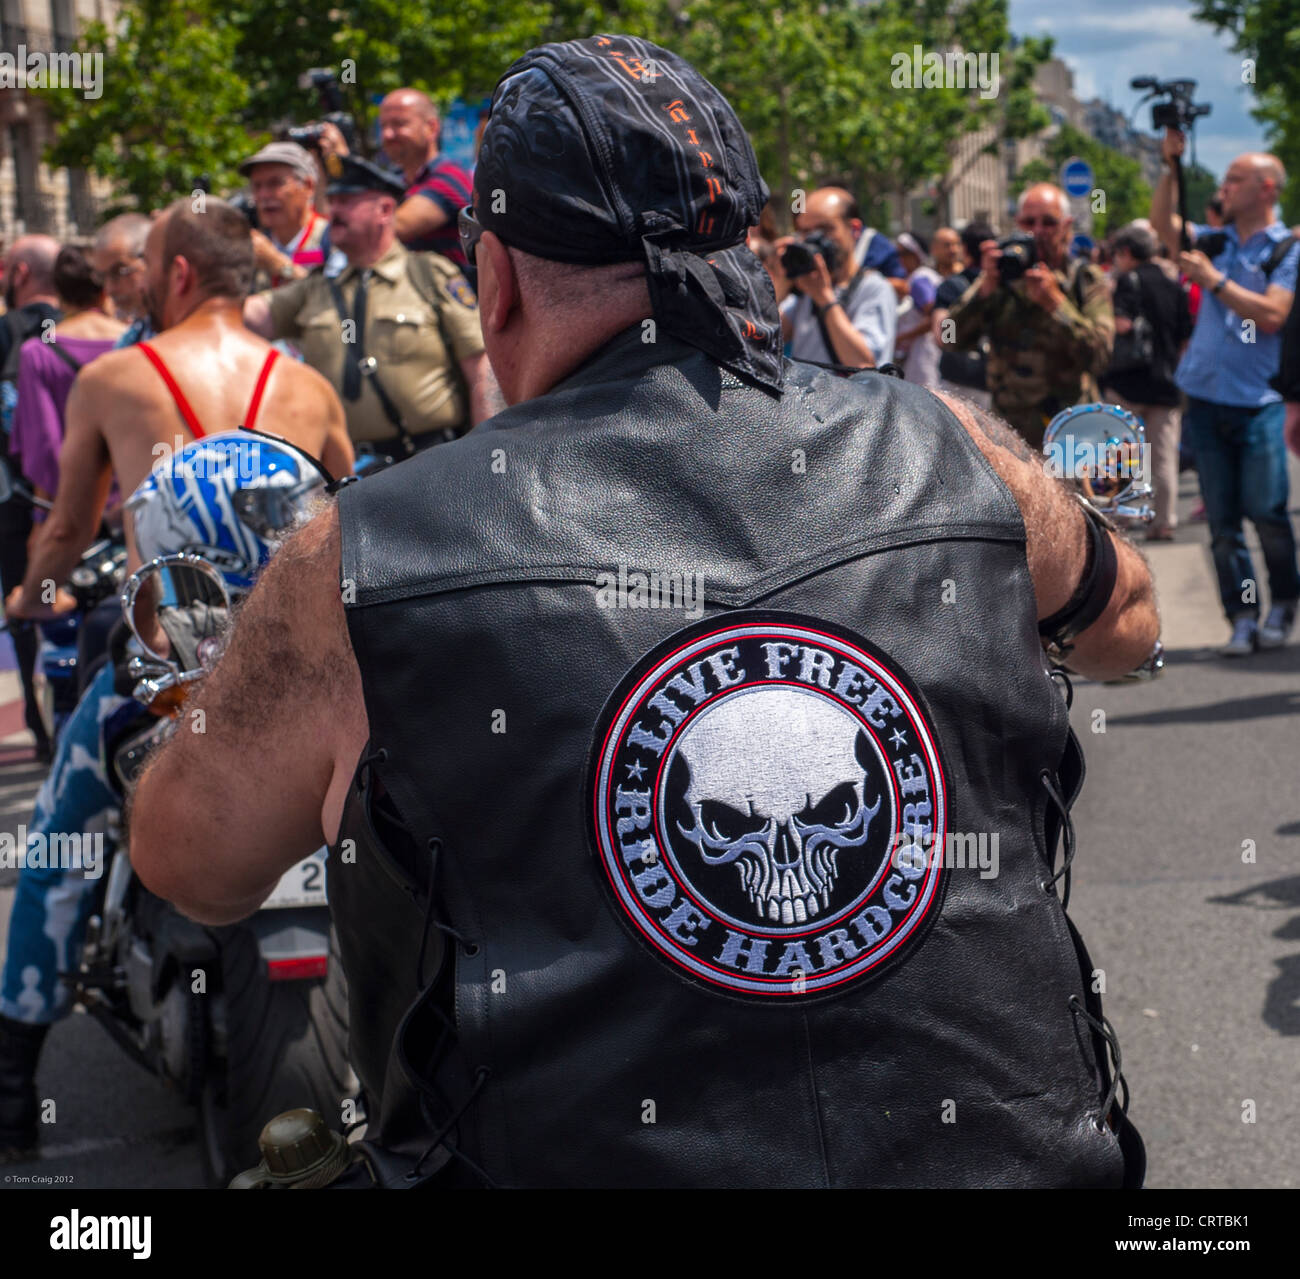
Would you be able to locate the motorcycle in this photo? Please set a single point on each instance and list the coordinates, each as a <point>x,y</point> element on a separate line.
<point>64,662</point>
<point>244,1020</point>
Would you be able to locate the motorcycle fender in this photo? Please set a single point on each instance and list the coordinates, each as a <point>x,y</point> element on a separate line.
<point>184,945</point>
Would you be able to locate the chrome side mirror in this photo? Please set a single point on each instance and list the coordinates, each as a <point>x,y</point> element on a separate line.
<point>175,606</point>
<point>1102,449</point>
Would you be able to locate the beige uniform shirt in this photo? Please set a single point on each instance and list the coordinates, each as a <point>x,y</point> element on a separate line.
<point>402,333</point>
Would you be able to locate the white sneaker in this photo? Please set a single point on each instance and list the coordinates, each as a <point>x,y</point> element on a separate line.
<point>1245,638</point>
<point>1277,626</point>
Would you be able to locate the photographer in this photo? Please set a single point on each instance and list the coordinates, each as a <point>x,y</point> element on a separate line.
<point>1234,418</point>
<point>1048,318</point>
<point>436,189</point>
<point>293,237</point>
<point>833,311</point>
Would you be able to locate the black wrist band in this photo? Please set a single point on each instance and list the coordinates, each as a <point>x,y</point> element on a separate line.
<point>1093,593</point>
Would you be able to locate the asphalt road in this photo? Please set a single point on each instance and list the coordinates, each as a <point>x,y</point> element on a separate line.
<point>1200,948</point>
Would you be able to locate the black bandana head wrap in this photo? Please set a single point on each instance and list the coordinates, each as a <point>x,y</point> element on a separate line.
<point>611,149</point>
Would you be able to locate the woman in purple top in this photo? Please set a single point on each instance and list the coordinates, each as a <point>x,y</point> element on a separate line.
<point>50,361</point>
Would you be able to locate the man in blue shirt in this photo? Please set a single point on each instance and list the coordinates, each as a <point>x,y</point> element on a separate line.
<point>1234,418</point>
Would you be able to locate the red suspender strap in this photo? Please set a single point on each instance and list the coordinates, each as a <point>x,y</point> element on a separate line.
<point>177,394</point>
<point>256,402</point>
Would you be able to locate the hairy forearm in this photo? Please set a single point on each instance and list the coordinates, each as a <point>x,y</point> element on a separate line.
<point>1267,314</point>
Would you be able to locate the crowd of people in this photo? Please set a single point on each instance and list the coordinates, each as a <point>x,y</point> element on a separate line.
<point>1193,349</point>
<point>347,320</point>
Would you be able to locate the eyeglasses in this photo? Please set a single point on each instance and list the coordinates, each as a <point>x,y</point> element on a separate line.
<point>120,270</point>
<point>470,232</point>
<point>1048,224</point>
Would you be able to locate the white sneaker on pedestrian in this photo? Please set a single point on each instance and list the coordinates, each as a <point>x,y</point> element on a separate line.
<point>1277,626</point>
<point>1245,638</point>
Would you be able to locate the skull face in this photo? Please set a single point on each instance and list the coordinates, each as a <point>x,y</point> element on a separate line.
<point>776,787</point>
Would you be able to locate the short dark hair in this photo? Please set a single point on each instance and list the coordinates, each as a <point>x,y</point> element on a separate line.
<point>1214,205</point>
<point>216,242</point>
<point>973,235</point>
<point>75,281</point>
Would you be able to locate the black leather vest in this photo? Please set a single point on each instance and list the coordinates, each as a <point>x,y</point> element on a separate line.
<point>694,919</point>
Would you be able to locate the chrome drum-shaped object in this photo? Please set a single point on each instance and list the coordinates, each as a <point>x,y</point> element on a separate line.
<point>1102,449</point>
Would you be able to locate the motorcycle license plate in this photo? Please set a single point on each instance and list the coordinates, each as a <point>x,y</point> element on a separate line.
<point>301,885</point>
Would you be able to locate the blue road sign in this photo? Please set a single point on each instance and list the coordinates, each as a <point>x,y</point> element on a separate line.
<point>1076,176</point>
<point>1081,246</point>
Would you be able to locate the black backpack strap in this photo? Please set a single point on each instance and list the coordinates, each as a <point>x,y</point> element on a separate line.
<point>1278,255</point>
<point>70,360</point>
<point>16,323</point>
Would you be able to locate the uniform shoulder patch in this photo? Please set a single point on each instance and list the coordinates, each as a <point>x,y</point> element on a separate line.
<point>765,790</point>
<point>458,287</point>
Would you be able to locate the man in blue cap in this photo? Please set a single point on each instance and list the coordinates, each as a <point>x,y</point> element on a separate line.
<point>626,900</point>
<point>396,333</point>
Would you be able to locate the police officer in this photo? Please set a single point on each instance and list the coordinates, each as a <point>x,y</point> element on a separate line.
<point>396,333</point>
<point>1050,332</point>
<point>626,899</point>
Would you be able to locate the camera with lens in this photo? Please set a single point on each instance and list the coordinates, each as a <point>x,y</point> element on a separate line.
<point>798,259</point>
<point>1178,111</point>
<point>326,84</point>
<point>243,203</point>
<point>306,135</point>
<point>1016,254</point>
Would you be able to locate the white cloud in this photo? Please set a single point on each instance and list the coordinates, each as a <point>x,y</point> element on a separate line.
<point>1109,42</point>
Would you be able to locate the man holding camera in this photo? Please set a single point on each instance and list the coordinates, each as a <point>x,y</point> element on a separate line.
<point>1234,418</point>
<point>1048,318</point>
<point>294,237</point>
<point>843,313</point>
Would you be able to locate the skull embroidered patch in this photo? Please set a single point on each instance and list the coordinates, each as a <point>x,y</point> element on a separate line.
<point>765,789</point>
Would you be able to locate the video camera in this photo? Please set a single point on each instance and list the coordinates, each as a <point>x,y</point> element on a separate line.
<point>326,84</point>
<point>798,259</point>
<point>1178,111</point>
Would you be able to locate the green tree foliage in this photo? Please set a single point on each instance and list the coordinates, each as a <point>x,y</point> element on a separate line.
<point>1201,185</point>
<point>1118,176</point>
<point>1268,33</point>
<point>170,109</point>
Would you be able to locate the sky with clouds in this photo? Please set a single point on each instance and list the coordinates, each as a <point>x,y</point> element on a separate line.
<point>1108,42</point>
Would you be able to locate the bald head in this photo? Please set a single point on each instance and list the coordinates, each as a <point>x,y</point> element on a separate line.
<point>408,129</point>
<point>834,212</point>
<point>29,270</point>
<point>1250,188</point>
<point>1043,211</point>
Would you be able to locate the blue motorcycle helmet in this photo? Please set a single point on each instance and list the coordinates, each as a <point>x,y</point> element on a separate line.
<point>231,497</point>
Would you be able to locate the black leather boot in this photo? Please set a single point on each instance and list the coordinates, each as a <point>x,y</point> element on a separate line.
<point>20,1046</point>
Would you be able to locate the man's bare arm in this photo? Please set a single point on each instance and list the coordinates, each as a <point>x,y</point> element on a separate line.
<point>257,315</point>
<point>221,814</point>
<point>418,216</point>
<point>85,478</point>
<point>1056,549</point>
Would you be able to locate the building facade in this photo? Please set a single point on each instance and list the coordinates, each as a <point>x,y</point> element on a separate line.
<point>64,203</point>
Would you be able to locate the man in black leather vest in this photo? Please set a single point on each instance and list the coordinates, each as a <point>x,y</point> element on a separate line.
<point>683,734</point>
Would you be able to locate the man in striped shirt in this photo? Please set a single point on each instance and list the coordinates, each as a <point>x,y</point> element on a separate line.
<point>436,189</point>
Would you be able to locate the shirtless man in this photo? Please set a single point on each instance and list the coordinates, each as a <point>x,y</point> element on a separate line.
<point>204,373</point>
<point>199,268</point>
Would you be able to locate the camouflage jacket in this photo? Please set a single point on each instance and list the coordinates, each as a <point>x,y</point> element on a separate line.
<point>1040,362</point>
